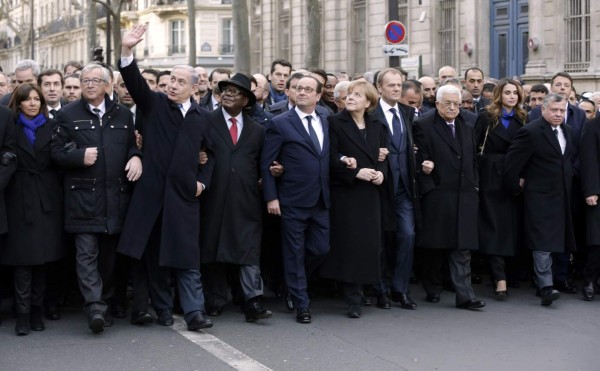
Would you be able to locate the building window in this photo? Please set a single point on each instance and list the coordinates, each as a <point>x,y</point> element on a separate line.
<point>226,46</point>
<point>577,35</point>
<point>283,35</point>
<point>177,37</point>
<point>447,32</point>
<point>256,45</point>
<point>359,36</point>
<point>403,12</point>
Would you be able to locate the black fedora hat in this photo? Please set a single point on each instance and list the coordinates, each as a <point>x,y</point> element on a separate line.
<point>242,82</point>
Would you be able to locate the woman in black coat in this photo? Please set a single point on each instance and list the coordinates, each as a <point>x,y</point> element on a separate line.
<point>356,138</point>
<point>495,130</point>
<point>35,208</point>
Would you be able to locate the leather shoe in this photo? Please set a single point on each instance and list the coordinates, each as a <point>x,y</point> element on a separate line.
<point>548,295</point>
<point>214,310</point>
<point>199,322</point>
<point>383,302</point>
<point>565,287</point>
<point>118,311</point>
<point>472,304</point>
<point>289,302</point>
<point>588,291</point>
<point>165,318</point>
<point>96,322</point>
<point>354,311</point>
<point>141,318</point>
<point>254,311</point>
<point>433,298</point>
<point>405,301</point>
<point>52,313</point>
<point>22,327</point>
<point>303,315</point>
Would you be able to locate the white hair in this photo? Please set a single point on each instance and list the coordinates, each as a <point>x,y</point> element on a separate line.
<point>447,89</point>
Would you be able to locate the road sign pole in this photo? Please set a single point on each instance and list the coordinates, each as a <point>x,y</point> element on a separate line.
<point>393,15</point>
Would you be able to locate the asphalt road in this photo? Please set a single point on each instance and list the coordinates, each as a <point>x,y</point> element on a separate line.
<point>517,334</point>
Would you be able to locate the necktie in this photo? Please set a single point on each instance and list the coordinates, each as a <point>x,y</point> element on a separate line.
<point>451,126</point>
<point>97,112</point>
<point>233,130</point>
<point>53,113</point>
<point>396,125</point>
<point>562,150</point>
<point>313,134</point>
<point>180,105</point>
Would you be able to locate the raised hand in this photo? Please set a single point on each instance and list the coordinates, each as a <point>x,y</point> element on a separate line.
<point>132,38</point>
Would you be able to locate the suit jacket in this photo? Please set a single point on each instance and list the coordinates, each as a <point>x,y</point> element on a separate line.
<point>535,156</point>
<point>305,179</point>
<point>468,117</point>
<point>232,208</point>
<point>449,202</point>
<point>575,119</point>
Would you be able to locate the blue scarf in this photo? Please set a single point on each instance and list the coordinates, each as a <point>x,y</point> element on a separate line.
<point>506,117</point>
<point>277,97</point>
<point>30,126</point>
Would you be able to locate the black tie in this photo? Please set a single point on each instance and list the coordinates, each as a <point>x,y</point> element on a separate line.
<point>313,134</point>
<point>53,113</point>
<point>97,112</point>
<point>451,126</point>
<point>396,125</point>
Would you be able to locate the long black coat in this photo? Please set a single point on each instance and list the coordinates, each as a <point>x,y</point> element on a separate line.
<point>167,187</point>
<point>449,200</point>
<point>498,208</point>
<point>231,217</point>
<point>34,201</point>
<point>535,156</point>
<point>355,213</point>
<point>589,156</point>
<point>7,144</point>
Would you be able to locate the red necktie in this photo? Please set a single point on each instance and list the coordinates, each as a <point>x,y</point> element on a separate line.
<point>233,131</point>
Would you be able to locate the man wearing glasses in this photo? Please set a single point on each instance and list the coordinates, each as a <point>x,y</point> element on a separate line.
<point>299,140</point>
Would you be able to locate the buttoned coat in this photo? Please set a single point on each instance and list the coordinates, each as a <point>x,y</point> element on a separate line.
<point>448,195</point>
<point>535,155</point>
<point>231,218</point>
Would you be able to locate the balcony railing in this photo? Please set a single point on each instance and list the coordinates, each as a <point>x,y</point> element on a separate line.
<point>226,49</point>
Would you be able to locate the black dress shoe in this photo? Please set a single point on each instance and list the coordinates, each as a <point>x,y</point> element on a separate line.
<point>96,322</point>
<point>472,304</point>
<point>22,327</point>
<point>141,318</point>
<point>289,302</point>
<point>199,322</point>
<point>303,315</point>
<point>383,302</point>
<point>588,291</point>
<point>165,318</point>
<point>254,311</point>
<point>118,311</point>
<point>354,311</point>
<point>565,287</point>
<point>548,295</point>
<point>433,298</point>
<point>405,301</point>
<point>214,310</point>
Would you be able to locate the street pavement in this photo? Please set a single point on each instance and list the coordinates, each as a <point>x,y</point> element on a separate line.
<point>517,334</point>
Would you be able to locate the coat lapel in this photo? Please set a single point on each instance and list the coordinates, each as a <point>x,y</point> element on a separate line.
<point>354,134</point>
<point>441,129</point>
<point>23,142</point>
<point>221,126</point>
<point>551,137</point>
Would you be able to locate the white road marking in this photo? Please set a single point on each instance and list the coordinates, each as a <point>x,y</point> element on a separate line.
<point>218,348</point>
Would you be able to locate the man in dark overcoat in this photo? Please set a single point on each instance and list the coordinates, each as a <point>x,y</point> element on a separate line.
<point>231,210</point>
<point>448,194</point>
<point>538,162</point>
<point>163,222</point>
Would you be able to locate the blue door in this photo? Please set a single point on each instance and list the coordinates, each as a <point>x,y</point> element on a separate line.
<point>509,34</point>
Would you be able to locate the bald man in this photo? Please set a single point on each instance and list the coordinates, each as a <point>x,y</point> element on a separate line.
<point>428,89</point>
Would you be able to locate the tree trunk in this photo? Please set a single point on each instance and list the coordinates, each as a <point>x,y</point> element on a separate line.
<point>241,38</point>
<point>313,51</point>
<point>91,21</point>
<point>116,36</point>
<point>191,9</point>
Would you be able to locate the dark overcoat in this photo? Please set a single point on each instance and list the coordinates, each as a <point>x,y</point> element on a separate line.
<point>231,217</point>
<point>449,200</point>
<point>34,201</point>
<point>589,156</point>
<point>355,214</point>
<point>167,187</point>
<point>7,144</point>
<point>535,156</point>
<point>499,216</point>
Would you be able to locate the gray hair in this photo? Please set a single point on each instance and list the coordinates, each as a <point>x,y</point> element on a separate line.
<point>191,70</point>
<point>341,86</point>
<point>451,81</point>
<point>447,89</point>
<point>28,64</point>
<point>95,66</point>
<point>552,98</point>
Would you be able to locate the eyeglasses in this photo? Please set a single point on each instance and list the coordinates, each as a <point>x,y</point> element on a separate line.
<point>231,90</point>
<point>307,89</point>
<point>92,81</point>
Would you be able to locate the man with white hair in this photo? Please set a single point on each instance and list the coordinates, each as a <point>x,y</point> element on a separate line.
<point>26,70</point>
<point>448,193</point>
<point>339,94</point>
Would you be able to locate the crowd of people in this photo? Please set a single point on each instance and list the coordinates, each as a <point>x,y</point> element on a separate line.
<point>199,189</point>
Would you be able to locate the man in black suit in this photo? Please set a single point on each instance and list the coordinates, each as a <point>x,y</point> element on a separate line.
<point>474,84</point>
<point>539,163</point>
<point>230,234</point>
<point>399,247</point>
<point>449,202</point>
<point>299,140</point>
<point>162,228</point>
